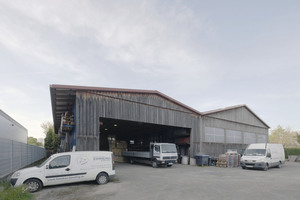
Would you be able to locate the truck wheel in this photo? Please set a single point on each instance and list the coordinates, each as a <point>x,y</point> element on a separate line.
<point>102,178</point>
<point>169,165</point>
<point>33,185</point>
<point>154,164</point>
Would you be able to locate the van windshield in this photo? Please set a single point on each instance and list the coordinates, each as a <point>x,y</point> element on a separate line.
<point>45,162</point>
<point>168,148</point>
<point>255,152</point>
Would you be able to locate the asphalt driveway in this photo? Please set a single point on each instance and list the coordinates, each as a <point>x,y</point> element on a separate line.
<point>186,182</point>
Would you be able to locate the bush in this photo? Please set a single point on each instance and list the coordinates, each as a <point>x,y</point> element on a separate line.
<point>17,193</point>
<point>292,152</point>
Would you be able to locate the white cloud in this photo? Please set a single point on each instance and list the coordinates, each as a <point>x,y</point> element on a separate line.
<point>186,49</point>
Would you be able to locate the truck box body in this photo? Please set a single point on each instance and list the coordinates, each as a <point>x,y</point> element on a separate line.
<point>68,167</point>
<point>263,156</point>
<point>158,154</point>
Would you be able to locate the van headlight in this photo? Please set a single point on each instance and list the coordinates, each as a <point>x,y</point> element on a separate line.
<point>16,175</point>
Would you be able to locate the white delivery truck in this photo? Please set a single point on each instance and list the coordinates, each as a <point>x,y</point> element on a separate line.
<point>160,154</point>
<point>67,167</point>
<point>263,156</point>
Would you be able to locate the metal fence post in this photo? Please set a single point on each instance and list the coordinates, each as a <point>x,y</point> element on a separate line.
<point>11,156</point>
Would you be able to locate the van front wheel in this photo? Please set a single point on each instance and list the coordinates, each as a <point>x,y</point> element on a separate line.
<point>266,167</point>
<point>102,178</point>
<point>33,185</point>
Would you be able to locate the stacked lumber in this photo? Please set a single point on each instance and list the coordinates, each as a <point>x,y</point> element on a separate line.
<point>229,159</point>
<point>292,158</point>
<point>117,147</point>
<point>222,161</point>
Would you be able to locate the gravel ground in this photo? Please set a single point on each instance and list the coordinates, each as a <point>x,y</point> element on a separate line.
<point>140,182</point>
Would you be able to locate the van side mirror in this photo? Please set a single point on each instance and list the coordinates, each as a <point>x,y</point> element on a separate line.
<point>268,155</point>
<point>47,166</point>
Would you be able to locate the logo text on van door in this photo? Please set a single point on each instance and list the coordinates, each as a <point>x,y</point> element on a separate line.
<point>102,159</point>
<point>82,160</point>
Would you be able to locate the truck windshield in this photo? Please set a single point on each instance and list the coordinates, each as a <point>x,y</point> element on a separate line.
<point>255,152</point>
<point>168,148</point>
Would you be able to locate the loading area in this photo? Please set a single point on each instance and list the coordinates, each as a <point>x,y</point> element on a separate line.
<point>122,135</point>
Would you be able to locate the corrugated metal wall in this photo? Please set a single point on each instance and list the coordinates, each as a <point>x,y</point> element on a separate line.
<point>16,155</point>
<point>144,108</point>
<point>235,120</point>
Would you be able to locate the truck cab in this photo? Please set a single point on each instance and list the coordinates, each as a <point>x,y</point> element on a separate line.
<point>159,154</point>
<point>163,154</point>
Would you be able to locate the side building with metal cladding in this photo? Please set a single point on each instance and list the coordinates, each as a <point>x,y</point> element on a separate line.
<point>89,118</point>
<point>231,128</point>
<point>11,129</point>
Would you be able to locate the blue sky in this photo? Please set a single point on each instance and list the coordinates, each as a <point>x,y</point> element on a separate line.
<point>206,54</point>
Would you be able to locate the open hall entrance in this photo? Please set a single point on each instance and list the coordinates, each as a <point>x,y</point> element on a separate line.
<point>138,135</point>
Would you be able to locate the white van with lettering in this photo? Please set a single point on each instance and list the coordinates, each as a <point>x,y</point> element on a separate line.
<point>69,167</point>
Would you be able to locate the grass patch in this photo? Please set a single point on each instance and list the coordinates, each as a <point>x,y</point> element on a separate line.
<point>7,192</point>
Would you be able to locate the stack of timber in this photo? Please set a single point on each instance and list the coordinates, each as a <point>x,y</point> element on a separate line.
<point>229,159</point>
<point>117,147</point>
<point>293,158</point>
<point>222,161</point>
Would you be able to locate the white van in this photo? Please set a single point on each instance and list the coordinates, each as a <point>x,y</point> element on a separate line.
<point>67,167</point>
<point>263,156</point>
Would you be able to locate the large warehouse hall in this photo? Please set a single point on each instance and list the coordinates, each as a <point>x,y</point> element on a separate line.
<point>89,118</point>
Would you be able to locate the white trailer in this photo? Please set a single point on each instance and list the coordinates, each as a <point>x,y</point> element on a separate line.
<point>263,156</point>
<point>160,154</point>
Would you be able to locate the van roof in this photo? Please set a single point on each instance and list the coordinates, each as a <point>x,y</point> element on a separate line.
<point>261,145</point>
<point>80,152</point>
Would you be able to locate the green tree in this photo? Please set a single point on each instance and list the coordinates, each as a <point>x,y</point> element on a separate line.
<point>284,136</point>
<point>52,140</point>
<point>33,141</point>
<point>298,138</point>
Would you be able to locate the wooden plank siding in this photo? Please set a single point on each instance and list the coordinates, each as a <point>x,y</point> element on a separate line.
<point>146,108</point>
<point>153,107</point>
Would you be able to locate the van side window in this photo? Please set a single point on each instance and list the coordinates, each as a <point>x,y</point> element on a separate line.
<point>59,162</point>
